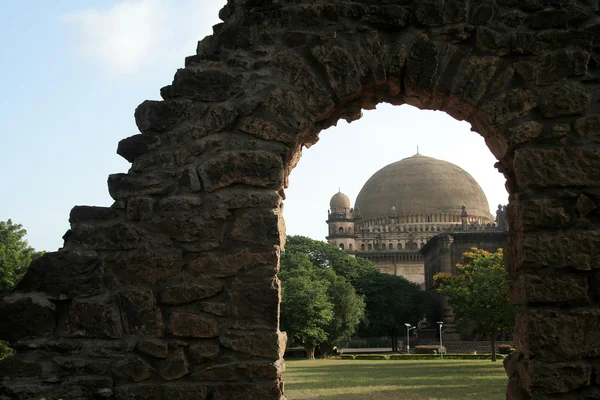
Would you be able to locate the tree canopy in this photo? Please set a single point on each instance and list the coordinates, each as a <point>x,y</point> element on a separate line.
<point>479,294</point>
<point>317,305</point>
<point>15,255</point>
<point>358,292</point>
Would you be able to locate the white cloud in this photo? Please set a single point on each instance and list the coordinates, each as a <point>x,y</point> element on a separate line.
<point>135,34</point>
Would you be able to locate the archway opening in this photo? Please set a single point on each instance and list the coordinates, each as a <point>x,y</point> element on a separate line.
<point>357,148</point>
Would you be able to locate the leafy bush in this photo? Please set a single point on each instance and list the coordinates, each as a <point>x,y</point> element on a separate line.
<point>505,349</point>
<point>370,357</point>
<point>433,349</point>
<point>347,356</point>
<point>5,351</point>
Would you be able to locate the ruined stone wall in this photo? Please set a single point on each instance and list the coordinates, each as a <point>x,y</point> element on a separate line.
<point>172,293</point>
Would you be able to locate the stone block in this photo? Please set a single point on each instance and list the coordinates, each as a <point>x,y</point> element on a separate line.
<point>564,99</point>
<point>122,186</point>
<point>72,366</point>
<point>224,265</point>
<point>210,85</point>
<point>508,105</point>
<point>340,68</point>
<point>256,301</point>
<point>243,197</point>
<point>93,317</point>
<point>190,292</point>
<point>176,204</point>
<point>473,78</point>
<point>567,249</point>
<point>258,227</point>
<point>136,145</point>
<point>140,208</point>
<point>296,72</point>
<point>138,392</point>
<point>189,179</point>
<point>175,367</point>
<point>153,347</point>
<point>588,127</point>
<point>254,168</point>
<point>264,129</point>
<point>557,167</point>
<point>493,41</point>
<point>213,307</point>
<point>204,230</point>
<point>187,391</point>
<point>132,369</point>
<point>201,352</point>
<point>19,367</point>
<point>562,64</point>
<point>264,390</point>
<point>87,213</point>
<point>558,335</point>
<point>64,275</point>
<point>148,265</point>
<point>110,236</point>
<point>160,116</point>
<point>183,324</point>
<point>141,316</point>
<point>534,289</point>
<point>269,344</point>
<point>240,371</point>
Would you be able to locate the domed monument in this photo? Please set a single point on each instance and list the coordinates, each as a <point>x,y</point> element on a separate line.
<point>401,207</point>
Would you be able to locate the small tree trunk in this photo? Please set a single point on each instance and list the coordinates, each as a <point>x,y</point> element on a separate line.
<point>310,351</point>
<point>394,343</point>
<point>493,342</point>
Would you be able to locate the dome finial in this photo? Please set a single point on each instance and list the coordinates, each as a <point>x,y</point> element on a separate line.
<point>417,149</point>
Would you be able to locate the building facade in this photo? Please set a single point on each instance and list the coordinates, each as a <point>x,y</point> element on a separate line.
<point>402,207</point>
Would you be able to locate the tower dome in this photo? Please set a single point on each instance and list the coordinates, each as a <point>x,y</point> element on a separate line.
<point>339,200</point>
<point>422,185</point>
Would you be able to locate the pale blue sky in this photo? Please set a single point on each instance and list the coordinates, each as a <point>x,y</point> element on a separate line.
<point>73,72</point>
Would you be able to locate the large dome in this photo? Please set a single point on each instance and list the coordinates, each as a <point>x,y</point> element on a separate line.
<point>421,185</point>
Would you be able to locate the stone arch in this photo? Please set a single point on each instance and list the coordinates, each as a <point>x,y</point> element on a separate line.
<point>199,213</point>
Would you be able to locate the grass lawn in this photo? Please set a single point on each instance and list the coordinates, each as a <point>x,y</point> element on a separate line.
<point>386,380</point>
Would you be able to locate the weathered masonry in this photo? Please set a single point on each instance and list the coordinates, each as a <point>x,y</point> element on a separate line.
<point>172,293</point>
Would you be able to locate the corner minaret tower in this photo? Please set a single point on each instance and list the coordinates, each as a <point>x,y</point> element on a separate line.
<point>340,222</point>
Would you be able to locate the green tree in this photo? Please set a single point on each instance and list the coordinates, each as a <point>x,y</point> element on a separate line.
<point>306,310</point>
<point>382,302</point>
<point>479,295</point>
<point>318,306</point>
<point>324,255</point>
<point>15,257</point>
<point>392,301</point>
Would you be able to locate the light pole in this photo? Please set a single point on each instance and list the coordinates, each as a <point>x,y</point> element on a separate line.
<point>441,345</point>
<point>408,329</point>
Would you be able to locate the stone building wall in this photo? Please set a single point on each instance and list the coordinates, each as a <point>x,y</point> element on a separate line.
<point>172,292</point>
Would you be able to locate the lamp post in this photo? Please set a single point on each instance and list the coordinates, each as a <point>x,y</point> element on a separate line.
<point>408,329</point>
<point>441,345</point>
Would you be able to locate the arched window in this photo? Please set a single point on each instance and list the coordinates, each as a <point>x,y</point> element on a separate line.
<point>370,246</point>
<point>341,230</point>
<point>429,218</point>
<point>399,246</point>
<point>422,244</point>
<point>349,230</point>
<point>390,246</point>
<point>342,246</point>
<point>350,247</point>
<point>362,246</point>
